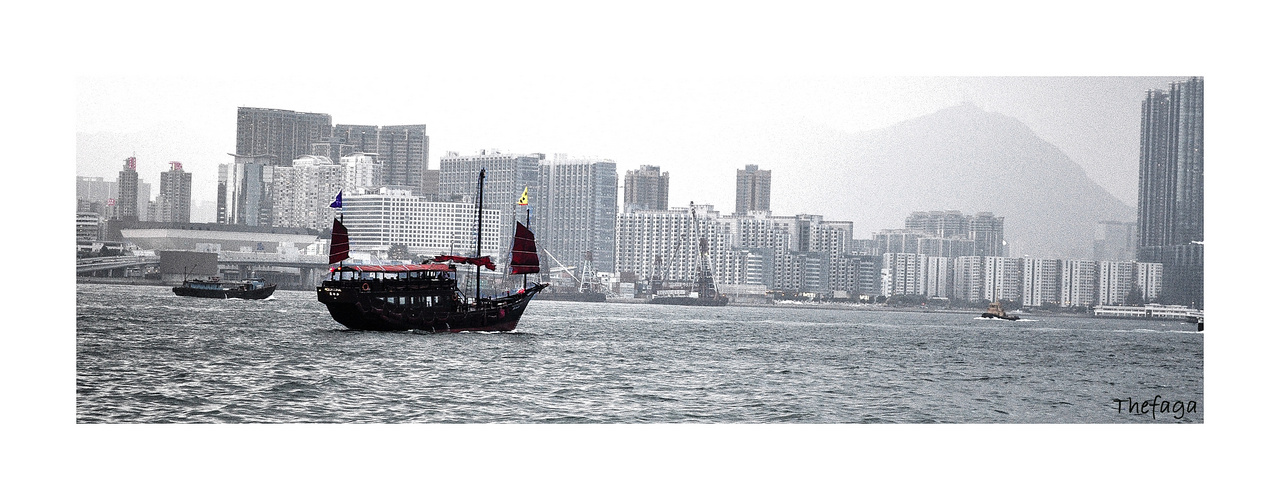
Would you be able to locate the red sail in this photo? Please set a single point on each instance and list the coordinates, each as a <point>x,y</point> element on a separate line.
<point>340,245</point>
<point>475,261</point>
<point>524,254</point>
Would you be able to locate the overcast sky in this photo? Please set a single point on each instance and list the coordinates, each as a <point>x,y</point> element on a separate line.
<point>692,127</point>
<point>638,86</point>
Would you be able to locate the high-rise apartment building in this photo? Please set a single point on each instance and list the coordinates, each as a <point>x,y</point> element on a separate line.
<point>302,192</point>
<point>987,232</point>
<point>1001,278</point>
<point>127,182</point>
<point>665,244</point>
<point>173,204</point>
<point>402,150</point>
<point>506,177</point>
<point>1171,188</point>
<point>244,191</point>
<point>278,136</point>
<point>1041,282</point>
<point>1079,283</point>
<point>646,189</point>
<point>753,190</point>
<point>580,207</point>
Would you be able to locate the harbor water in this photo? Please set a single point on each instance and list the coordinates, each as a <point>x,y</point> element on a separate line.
<point>144,355</point>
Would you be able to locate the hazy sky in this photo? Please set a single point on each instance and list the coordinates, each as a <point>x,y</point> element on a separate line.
<point>686,89</point>
<point>692,127</point>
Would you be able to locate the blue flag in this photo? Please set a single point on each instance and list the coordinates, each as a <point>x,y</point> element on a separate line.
<point>338,202</point>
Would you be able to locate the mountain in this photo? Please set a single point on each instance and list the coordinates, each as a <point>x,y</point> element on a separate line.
<point>959,158</point>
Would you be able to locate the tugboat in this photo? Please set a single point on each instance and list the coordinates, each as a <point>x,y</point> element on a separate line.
<point>425,297</point>
<point>214,288</point>
<point>995,311</point>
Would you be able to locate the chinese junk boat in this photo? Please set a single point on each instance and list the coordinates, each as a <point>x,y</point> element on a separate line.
<point>214,288</point>
<point>425,297</point>
<point>995,311</point>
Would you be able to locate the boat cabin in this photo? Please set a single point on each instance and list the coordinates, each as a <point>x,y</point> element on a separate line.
<point>408,273</point>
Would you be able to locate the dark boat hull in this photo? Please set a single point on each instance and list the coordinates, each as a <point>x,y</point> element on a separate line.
<point>362,311</point>
<point>253,294</point>
<point>690,301</point>
<point>573,296</point>
<point>998,316</point>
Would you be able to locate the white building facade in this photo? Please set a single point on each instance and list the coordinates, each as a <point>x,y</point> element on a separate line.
<point>395,216</point>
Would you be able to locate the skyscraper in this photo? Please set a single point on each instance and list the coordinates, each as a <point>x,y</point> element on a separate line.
<point>1171,188</point>
<point>279,134</point>
<point>402,150</point>
<point>753,190</point>
<point>244,191</point>
<point>580,210</point>
<point>506,177</point>
<point>173,204</point>
<point>127,200</point>
<point>646,189</point>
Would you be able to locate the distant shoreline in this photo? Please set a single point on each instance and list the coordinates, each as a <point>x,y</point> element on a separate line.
<point>833,307</point>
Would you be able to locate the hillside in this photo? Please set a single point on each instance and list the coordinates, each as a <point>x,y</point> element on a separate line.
<point>959,158</point>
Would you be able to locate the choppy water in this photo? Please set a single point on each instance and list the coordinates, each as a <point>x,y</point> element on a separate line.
<point>146,355</point>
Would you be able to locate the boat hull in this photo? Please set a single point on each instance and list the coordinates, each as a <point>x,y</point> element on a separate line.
<point>252,294</point>
<point>363,311</point>
<point>690,301</point>
<point>573,296</point>
<point>1000,316</point>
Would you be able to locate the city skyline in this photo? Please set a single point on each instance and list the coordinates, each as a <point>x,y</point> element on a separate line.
<point>697,145</point>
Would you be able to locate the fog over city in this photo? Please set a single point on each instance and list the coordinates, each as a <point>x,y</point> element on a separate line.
<point>700,128</point>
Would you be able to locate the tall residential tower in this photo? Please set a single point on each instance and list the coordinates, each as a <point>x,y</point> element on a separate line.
<point>753,190</point>
<point>1171,188</point>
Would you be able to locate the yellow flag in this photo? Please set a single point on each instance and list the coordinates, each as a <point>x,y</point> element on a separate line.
<point>524,198</point>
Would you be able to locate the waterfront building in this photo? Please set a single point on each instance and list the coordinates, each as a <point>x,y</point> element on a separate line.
<point>1171,188</point>
<point>277,135</point>
<point>173,204</point>
<point>760,231</point>
<point>856,274</point>
<point>665,244</point>
<point>752,190</point>
<point>1115,281</point>
<point>244,191</point>
<point>905,274</point>
<point>402,151</point>
<point>937,276</point>
<point>127,208</point>
<point>967,282</point>
<point>1079,283</point>
<point>1001,278</point>
<point>1041,282</point>
<point>1156,311</point>
<point>1149,278</point>
<point>646,188</point>
<point>802,273</point>
<point>579,200</point>
<point>376,220</point>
